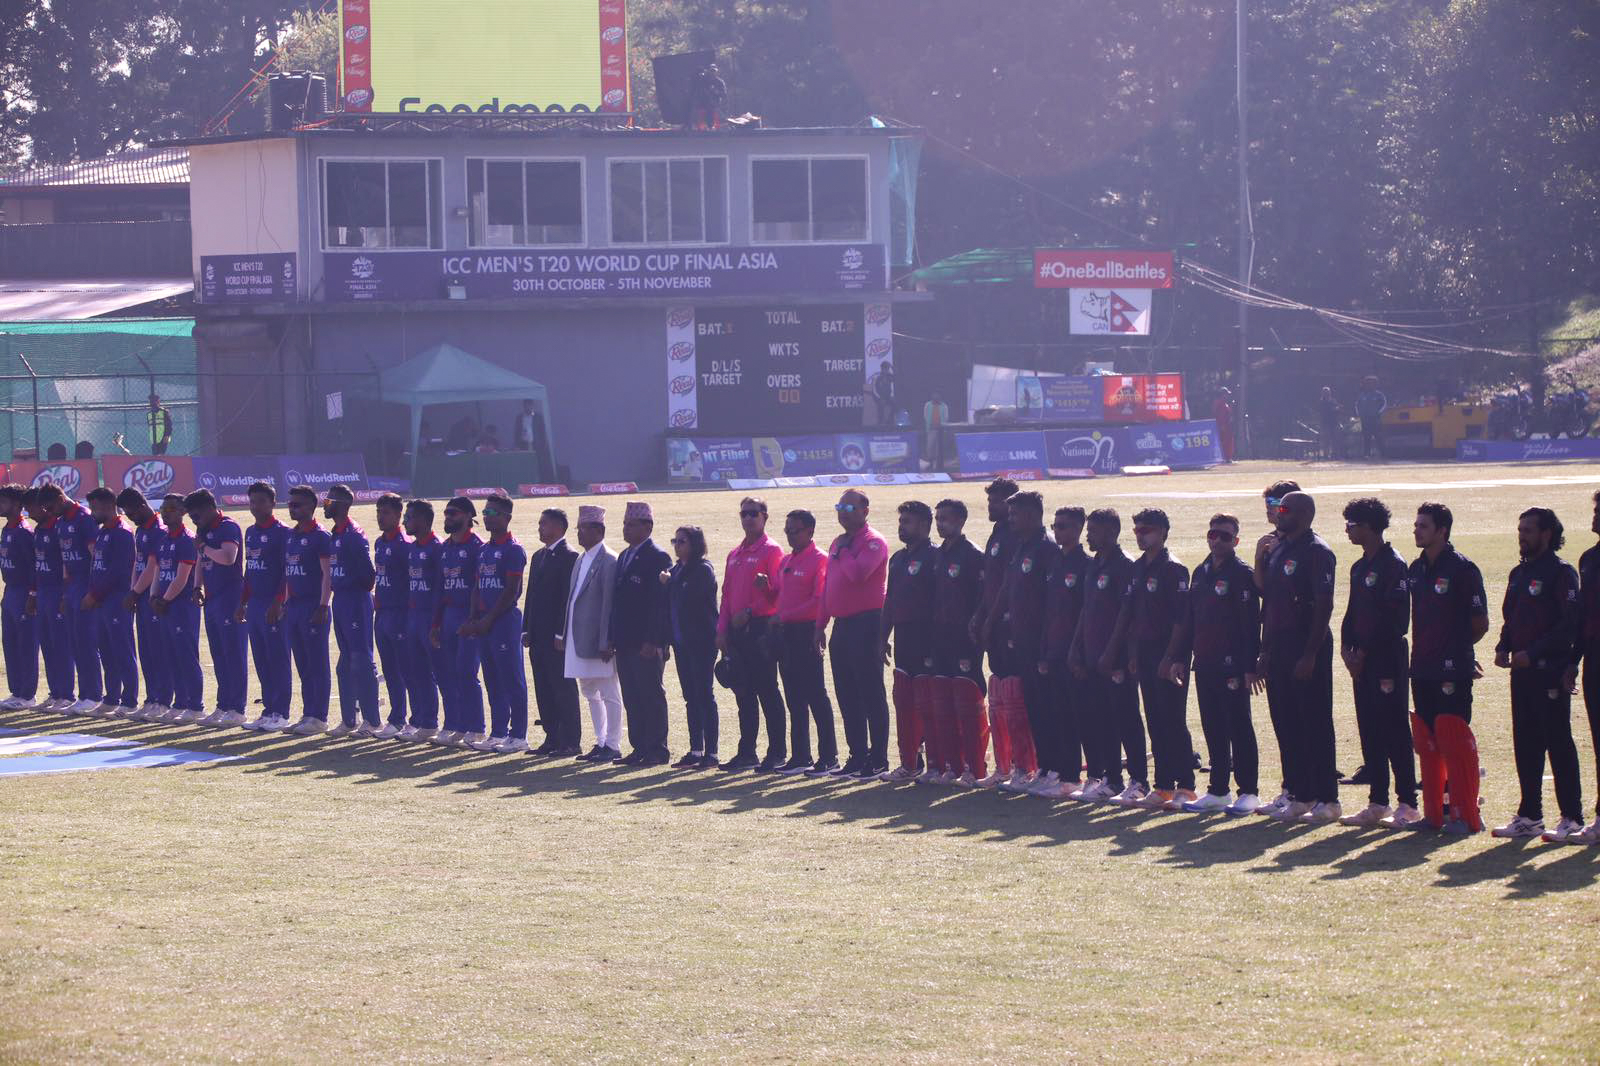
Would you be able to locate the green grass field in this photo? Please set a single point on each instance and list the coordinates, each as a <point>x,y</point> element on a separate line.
<point>340,901</point>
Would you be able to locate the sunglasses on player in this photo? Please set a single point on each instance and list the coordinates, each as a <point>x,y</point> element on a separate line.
<point>1220,535</point>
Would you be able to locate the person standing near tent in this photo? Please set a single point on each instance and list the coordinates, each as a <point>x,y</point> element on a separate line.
<point>160,421</point>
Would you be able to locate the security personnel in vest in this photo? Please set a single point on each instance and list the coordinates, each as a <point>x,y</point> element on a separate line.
<point>160,420</point>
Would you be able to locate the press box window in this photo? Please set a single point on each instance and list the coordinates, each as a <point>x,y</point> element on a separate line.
<point>518,203</point>
<point>796,200</point>
<point>390,204</point>
<point>669,201</point>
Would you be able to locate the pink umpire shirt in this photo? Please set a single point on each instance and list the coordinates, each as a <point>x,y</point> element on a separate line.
<point>858,571</point>
<point>800,590</point>
<point>739,581</point>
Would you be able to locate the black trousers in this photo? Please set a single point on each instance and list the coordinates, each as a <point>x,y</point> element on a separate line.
<point>1429,699</point>
<point>1302,716</point>
<point>1166,708</point>
<point>1383,720</point>
<point>1065,694</point>
<point>757,695</point>
<point>806,693</point>
<point>1113,729</point>
<point>1591,702</point>
<point>555,693</point>
<point>696,677</point>
<point>955,655</point>
<point>853,652</point>
<point>1230,734</point>
<point>644,701</point>
<point>1371,435</point>
<point>1541,724</point>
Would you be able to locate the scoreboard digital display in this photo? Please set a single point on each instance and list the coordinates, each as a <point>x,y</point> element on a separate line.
<point>780,369</point>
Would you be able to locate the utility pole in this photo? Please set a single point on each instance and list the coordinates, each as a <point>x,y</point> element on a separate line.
<point>1247,240</point>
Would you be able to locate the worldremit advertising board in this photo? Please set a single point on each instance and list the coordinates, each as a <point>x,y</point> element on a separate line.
<point>464,56</point>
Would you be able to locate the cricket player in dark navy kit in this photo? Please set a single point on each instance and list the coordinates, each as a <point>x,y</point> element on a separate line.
<point>1156,604</point>
<point>50,586</point>
<point>261,608</point>
<point>1297,662</point>
<point>110,579</point>
<point>963,721</point>
<point>308,571</point>
<point>1372,642</point>
<point>353,577</point>
<point>496,623</point>
<point>1589,653</point>
<point>1222,634</point>
<point>1538,645</point>
<point>1064,586</point>
<point>19,620</point>
<point>153,659</point>
<point>1449,614</point>
<point>176,599</point>
<point>221,546</point>
<point>459,689</point>
<point>425,663</point>
<point>988,629</point>
<point>1030,716</point>
<point>391,593</point>
<point>1113,729</point>
<point>908,633</point>
<point>76,531</point>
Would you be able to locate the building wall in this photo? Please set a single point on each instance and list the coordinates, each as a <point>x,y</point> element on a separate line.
<point>244,198</point>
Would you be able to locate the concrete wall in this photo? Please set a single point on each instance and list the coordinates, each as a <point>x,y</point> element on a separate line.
<point>244,197</point>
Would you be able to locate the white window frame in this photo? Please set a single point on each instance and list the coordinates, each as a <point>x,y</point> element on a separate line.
<point>583,195</point>
<point>727,200</point>
<point>866,191</point>
<point>435,199</point>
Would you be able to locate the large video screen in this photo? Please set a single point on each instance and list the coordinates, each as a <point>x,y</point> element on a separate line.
<point>484,55</point>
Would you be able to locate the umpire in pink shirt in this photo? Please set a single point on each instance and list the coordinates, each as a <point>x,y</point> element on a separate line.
<point>852,597</point>
<point>749,604</point>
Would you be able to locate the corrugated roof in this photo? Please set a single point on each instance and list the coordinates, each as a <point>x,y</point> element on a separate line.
<point>136,166</point>
<point>70,299</point>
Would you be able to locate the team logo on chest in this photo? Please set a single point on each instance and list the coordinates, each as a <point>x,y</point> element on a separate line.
<point>1151,584</point>
<point>1535,587</point>
<point>914,567</point>
<point>1220,588</point>
<point>954,570</point>
<point>1070,581</point>
<point>994,550</point>
<point>1371,580</point>
<point>1102,581</point>
<point>1027,565</point>
<point>1290,566</point>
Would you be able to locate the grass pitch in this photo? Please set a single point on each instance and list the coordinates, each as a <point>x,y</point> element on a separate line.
<point>338,901</point>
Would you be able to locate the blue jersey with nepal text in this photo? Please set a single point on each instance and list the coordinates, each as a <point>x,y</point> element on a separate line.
<point>264,546</point>
<point>47,571</point>
<point>77,530</point>
<point>499,562</point>
<point>16,556</point>
<point>303,552</point>
<point>177,547</point>
<point>223,584</point>
<point>146,542</point>
<point>111,576</point>
<point>391,553</point>
<point>352,560</point>
<point>458,568</point>
<point>422,571</point>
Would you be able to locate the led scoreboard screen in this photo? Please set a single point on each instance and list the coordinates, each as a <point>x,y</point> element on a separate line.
<point>780,369</point>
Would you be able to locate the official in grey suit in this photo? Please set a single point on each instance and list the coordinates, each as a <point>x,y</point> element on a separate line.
<point>589,657</point>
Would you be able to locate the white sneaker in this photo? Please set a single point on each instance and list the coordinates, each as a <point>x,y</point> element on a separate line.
<point>1564,830</point>
<point>1370,815</point>
<point>928,776</point>
<point>341,730</point>
<point>1020,781</point>
<point>1519,828</point>
<point>1047,783</point>
<point>1295,811</point>
<point>994,779</point>
<point>309,727</point>
<point>106,709</point>
<point>388,732</point>
<point>11,704</point>
<point>513,746</point>
<point>1589,835</point>
<point>153,712</point>
<point>1276,808</point>
<point>1405,816</point>
<point>421,736</point>
<point>447,738</point>
<point>1132,796</point>
<point>84,707</point>
<point>212,719</point>
<point>1096,791</point>
<point>899,775</point>
<point>272,723</point>
<point>129,713</point>
<point>190,717</point>
<point>1077,791</point>
<point>1244,803</point>
<point>1322,814</point>
<point>233,719</point>
<point>477,742</point>
<point>966,780</point>
<point>1207,804</point>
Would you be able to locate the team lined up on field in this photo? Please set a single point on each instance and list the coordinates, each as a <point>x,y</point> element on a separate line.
<point>1089,652</point>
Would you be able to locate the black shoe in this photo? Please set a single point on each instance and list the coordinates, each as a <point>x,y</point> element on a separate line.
<point>1360,777</point>
<point>868,772</point>
<point>795,766</point>
<point>709,762</point>
<point>688,762</point>
<point>592,754</point>
<point>740,762</point>
<point>544,751</point>
<point>633,758</point>
<point>609,756</point>
<point>654,760</point>
<point>823,768</point>
<point>849,769</point>
<point>769,765</point>
<point>566,752</point>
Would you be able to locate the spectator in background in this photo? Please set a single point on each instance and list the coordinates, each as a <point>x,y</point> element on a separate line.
<point>935,414</point>
<point>707,93</point>
<point>463,435</point>
<point>1222,411</point>
<point>1328,414</point>
<point>489,443</point>
<point>84,450</point>
<point>523,429</point>
<point>56,451</point>
<point>160,420</point>
<point>883,394</point>
<point>1370,405</point>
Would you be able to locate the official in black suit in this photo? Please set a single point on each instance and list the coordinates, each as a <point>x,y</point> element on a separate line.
<point>692,621</point>
<point>544,621</point>
<point>639,635</point>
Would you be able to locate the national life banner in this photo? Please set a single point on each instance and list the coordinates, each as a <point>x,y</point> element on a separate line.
<point>1110,312</point>
<point>350,277</point>
<point>708,459</point>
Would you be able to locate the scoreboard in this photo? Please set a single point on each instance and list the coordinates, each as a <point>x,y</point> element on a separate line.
<point>768,370</point>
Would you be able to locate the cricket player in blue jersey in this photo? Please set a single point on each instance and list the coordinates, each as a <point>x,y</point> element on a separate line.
<point>353,577</point>
<point>221,545</point>
<point>265,590</point>
<point>176,599</point>
<point>391,591</point>
<point>75,531</point>
<point>148,533</point>
<point>458,684</point>
<point>19,622</point>
<point>497,623</point>
<point>308,570</point>
<point>424,661</point>
<point>50,585</point>
<point>110,579</point>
